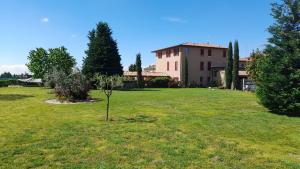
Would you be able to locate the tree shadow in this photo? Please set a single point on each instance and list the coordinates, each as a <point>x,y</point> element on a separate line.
<point>291,114</point>
<point>140,90</point>
<point>13,97</point>
<point>141,118</point>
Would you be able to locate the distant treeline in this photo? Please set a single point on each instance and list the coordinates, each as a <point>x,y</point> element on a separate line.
<point>8,75</point>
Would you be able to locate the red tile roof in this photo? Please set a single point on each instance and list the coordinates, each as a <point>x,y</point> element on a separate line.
<point>190,44</point>
<point>245,59</point>
<point>146,74</point>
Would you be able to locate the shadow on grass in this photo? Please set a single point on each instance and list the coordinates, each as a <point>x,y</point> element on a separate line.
<point>291,114</point>
<point>12,97</point>
<point>142,90</point>
<point>141,118</point>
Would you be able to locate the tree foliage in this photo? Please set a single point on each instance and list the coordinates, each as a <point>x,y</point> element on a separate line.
<point>71,87</point>
<point>252,66</point>
<point>102,55</point>
<point>138,64</point>
<point>278,79</point>
<point>229,66</point>
<point>107,84</point>
<point>38,62</point>
<point>132,68</point>
<point>61,60</point>
<point>42,62</point>
<point>235,68</point>
<point>186,72</point>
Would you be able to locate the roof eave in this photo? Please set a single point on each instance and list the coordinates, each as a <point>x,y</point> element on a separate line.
<point>215,47</point>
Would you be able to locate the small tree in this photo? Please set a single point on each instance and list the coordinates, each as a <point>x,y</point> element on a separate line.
<point>42,62</point>
<point>252,66</point>
<point>228,69</point>
<point>61,60</point>
<point>38,62</point>
<point>138,64</point>
<point>107,84</point>
<point>235,69</point>
<point>186,72</point>
<point>132,68</point>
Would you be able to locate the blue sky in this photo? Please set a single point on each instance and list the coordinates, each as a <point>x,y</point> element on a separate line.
<point>138,26</point>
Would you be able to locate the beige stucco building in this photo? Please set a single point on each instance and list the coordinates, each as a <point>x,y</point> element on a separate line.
<point>204,62</point>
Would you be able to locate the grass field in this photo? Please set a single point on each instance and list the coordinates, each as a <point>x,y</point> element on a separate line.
<point>155,128</point>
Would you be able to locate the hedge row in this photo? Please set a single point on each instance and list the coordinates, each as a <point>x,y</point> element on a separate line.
<point>6,83</point>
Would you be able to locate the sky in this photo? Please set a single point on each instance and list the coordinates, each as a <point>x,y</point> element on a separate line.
<point>137,25</point>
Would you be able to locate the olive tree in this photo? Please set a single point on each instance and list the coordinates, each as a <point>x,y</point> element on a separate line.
<point>107,84</point>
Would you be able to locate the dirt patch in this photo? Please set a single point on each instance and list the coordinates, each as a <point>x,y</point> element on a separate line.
<point>55,101</point>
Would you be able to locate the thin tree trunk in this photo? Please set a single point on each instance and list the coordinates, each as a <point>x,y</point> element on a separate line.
<point>107,108</point>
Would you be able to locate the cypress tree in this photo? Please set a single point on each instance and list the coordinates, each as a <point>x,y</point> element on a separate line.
<point>138,64</point>
<point>235,69</point>
<point>102,55</point>
<point>229,66</point>
<point>278,80</point>
<point>186,72</point>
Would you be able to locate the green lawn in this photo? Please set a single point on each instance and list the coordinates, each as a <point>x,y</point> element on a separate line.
<point>155,128</point>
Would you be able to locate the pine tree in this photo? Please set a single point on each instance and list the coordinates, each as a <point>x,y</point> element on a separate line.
<point>229,66</point>
<point>186,72</point>
<point>102,55</point>
<point>138,64</point>
<point>235,68</point>
<point>278,81</point>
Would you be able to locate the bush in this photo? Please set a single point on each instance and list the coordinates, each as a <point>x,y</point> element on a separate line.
<point>6,83</point>
<point>69,87</point>
<point>162,82</point>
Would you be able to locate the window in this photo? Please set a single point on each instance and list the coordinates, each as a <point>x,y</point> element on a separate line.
<point>201,66</point>
<point>168,66</point>
<point>175,65</point>
<point>215,73</point>
<point>209,66</point>
<point>168,53</point>
<point>208,79</point>
<point>224,54</point>
<point>176,51</point>
<point>159,55</point>
<point>201,52</point>
<point>201,79</point>
<point>209,52</point>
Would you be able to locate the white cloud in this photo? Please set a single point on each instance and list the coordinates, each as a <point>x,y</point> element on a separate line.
<point>174,19</point>
<point>73,36</point>
<point>14,69</point>
<point>45,20</point>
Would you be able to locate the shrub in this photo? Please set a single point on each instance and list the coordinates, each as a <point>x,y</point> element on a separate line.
<point>159,82</point>
<point>69,87</point>
<point>6,83</point>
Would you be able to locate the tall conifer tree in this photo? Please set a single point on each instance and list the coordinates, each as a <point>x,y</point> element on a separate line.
<point>138,64</point>
<point>235,69</point>
<point>278,81</point>
<point>228,69</point>
<point>186,72</point>
<point>102,55</point>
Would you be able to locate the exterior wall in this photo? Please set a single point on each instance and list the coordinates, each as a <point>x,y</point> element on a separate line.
<point>161,64</point>
<point>194,58</point>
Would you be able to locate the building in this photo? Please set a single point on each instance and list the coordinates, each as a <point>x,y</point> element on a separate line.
<point>204,62</point>
<point>150,68</point>
<point>246,83</point>
<point>146,75</point>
